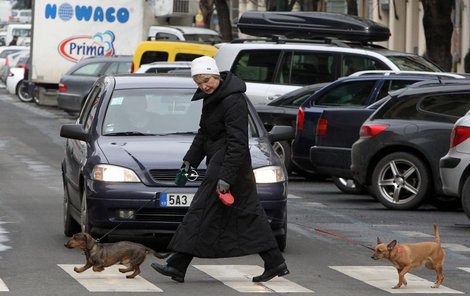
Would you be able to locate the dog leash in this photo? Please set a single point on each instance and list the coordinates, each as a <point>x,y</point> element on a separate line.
<point>340,236</point>
<point>131,215</point>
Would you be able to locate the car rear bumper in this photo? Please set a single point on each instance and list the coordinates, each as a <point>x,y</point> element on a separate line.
<point>451,169</point>
<point>331,161</point>
<point>69,102</point>
<point>109,206</point>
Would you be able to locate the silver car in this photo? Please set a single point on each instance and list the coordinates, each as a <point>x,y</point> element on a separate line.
<point>455,165</point>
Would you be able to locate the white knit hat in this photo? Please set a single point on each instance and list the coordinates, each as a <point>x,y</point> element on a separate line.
<point>204,65</point>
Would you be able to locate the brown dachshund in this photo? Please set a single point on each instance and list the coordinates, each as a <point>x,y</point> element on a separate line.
<point>100,255</point>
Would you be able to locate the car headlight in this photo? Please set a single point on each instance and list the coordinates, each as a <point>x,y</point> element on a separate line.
<point>112,173</point>
<point>269,174</point>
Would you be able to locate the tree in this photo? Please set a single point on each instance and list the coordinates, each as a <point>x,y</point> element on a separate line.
<point>438,29</point>
<point>223,13</point>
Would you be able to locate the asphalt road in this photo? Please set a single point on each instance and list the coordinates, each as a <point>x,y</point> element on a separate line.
<point>326,251</point>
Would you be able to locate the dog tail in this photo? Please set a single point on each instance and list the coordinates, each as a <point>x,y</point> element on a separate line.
<point>437,238</point>
<point>157,254</point>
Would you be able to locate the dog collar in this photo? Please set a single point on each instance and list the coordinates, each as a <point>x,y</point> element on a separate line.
<point>400,250</point>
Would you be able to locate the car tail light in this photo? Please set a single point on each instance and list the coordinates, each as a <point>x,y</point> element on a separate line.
<point>459,134</point>
<point>132,68</point>
<point>62,87</point>
<point>322,126</point>
<point>300,119</point>
<point>372,130</point>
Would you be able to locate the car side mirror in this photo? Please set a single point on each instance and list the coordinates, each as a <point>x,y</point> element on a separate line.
<point>281,133</point>
<point>73,131</point>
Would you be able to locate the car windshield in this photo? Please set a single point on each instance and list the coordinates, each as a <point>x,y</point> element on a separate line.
<point>152,112</point>
<point>414,63</point>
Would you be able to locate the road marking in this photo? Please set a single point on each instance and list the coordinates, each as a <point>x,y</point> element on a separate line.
<point>3,287</point>
<point>238,277</point>
<point>308,203</point>
<point>413,233</point>
<point>109,280</point>
<point>467,269</point>
<point>292,196</point>
<point>385,277</point>
<point>455,247</point>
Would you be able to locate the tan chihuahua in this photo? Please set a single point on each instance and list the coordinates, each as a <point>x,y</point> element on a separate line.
<point>406,257</point>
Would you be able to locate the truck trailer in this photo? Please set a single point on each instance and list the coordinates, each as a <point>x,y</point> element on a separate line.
<point>67,31</point>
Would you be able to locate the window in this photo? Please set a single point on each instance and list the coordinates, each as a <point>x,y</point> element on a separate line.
<point>354,63</point>
<point>92,69</point>
<point>118,67</point>
<point>154,56</point>
<point>303,68</point>
<point>355,93</point>
<point>165,36</point>
<point>256,65</point>
<point>186,57</point>
<point>392,85</point>
<point>446,104</point>
<point>89,111</point>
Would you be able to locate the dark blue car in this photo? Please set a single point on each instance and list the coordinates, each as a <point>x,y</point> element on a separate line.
<point>356,91</point>
<point>122,156</point>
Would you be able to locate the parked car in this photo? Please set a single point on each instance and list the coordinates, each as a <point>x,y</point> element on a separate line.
<point>338,128</point>
<point>117,170</point>
<point>354,92</point>
<point>17,74</point>
<point>169,51</point>
<point>184,33</point>
<point>4,52</point>
<point>455,165</point>
<point>76,83</point>
<point>278,65</point>
<point>163,67</point>
<point>400,145</point>
<point>3,39</point>
<point>283,111</point>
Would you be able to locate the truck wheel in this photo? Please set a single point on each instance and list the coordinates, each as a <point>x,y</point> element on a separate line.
<point>348,186</point>
<point>283,149</point>
<point>401,181</point>
<point>466,197</point>
<point>23,93</point>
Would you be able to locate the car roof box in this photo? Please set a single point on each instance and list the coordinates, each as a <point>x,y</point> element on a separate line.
<point>311,25</point>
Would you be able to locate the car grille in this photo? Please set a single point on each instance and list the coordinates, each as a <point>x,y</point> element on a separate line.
<point>169,176</point>
<point>161,215</point>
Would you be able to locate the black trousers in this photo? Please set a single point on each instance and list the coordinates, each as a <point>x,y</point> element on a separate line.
<point>272,258</point>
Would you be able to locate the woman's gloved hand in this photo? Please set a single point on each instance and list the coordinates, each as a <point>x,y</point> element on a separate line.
<point>223,186</point>
<point>186,166</point>
<point>182,176</point>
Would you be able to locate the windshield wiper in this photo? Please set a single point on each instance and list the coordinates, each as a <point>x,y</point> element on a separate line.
<point>132,133</point>
<point>180,133</point>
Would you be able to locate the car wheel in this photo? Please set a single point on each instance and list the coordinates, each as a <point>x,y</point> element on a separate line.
<point>23,93</point>
<point>283,150</point>
<point>400,181</point>
<point>348,186</point>
<point>70,225</point>
<point>84,224</point>
<point>466,197</point>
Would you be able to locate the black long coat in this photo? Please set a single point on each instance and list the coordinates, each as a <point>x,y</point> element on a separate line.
<point>211,229</point>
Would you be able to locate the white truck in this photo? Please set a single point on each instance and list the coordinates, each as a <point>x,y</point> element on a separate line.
<point>66,31</point>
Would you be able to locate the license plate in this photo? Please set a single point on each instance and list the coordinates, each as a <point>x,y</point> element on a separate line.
<point>176,199</point>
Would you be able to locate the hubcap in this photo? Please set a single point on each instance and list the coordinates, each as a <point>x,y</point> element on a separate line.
<point>399,181</point>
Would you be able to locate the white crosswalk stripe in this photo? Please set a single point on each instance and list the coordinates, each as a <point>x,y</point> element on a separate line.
<point>238,277</point>
<point>3,287</point>
<point>385,277</point>
<point>109,280</point>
